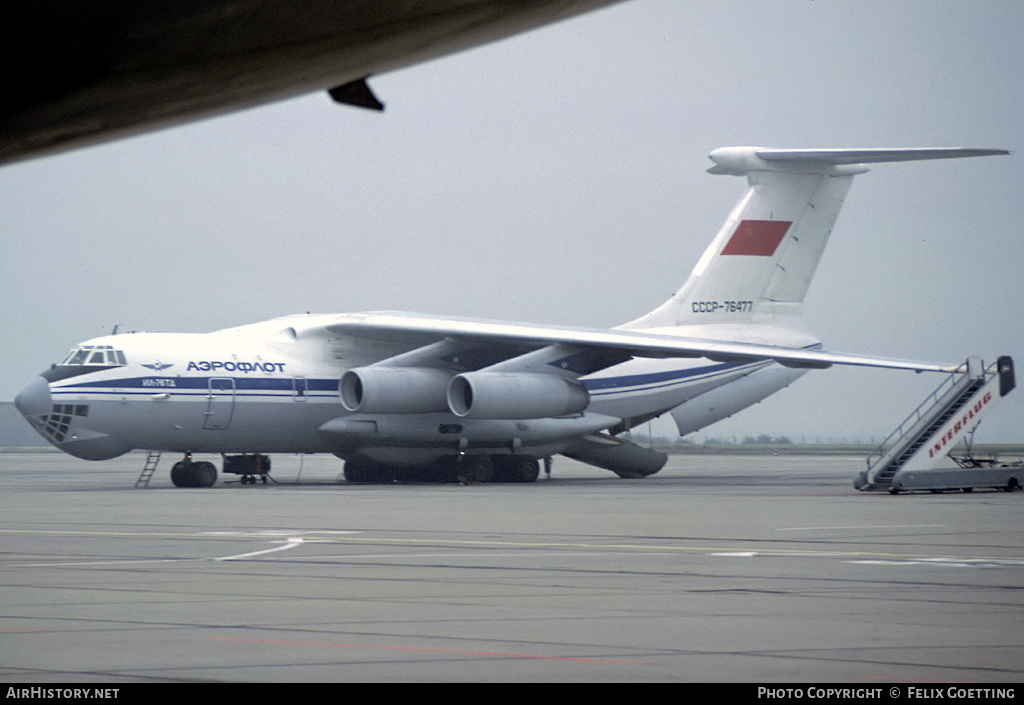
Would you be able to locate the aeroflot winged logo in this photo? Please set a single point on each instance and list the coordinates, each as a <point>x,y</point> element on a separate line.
<point>157,366</point>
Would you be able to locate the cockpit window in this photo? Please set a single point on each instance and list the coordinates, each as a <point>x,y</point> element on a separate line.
<point>76,357</point>
<point>94,355</point>
<point>86,358</point>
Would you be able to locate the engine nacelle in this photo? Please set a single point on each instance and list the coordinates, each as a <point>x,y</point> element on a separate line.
<point>510,395</point>
<point>394,390</point>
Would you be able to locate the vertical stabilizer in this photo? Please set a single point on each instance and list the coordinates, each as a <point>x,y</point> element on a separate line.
<point>762,261</point>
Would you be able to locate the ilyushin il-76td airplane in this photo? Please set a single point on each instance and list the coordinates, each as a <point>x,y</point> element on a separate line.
<point>405,396</point>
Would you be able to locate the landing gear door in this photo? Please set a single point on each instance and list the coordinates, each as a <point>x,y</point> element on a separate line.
<point>220,405</point>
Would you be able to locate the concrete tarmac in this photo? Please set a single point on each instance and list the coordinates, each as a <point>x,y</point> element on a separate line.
<point>720,568</point>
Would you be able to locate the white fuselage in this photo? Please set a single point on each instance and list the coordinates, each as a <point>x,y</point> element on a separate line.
<point>258,389</point>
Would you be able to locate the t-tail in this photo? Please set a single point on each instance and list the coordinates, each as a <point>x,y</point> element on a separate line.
<point>760,264</point>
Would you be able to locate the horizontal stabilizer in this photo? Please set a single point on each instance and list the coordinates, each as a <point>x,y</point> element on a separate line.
<point>738,161</point>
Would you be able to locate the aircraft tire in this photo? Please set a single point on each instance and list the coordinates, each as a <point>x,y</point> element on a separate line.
<point>204,474</point>
<point>382,474</point>
<point>189,474</point>
<point>367,472</point>
<point>482,468</point>
<point>357,471</point>
<point>502,468</point>
<point>180,474</point>
<point>445,469</point>
<point>525,469</point>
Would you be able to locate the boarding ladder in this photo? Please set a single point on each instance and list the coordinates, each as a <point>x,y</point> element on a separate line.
<point>931,431</point>
<point>152,458</point>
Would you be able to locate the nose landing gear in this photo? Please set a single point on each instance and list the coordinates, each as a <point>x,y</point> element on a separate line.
<point>187,473</point>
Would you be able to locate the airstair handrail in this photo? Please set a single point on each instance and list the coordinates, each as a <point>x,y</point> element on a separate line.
<point>917,414</point>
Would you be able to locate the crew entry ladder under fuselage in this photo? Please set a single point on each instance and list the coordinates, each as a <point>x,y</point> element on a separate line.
<point>152,458</point>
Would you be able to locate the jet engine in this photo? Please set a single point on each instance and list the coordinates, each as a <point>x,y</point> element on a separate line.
<point>394,390</point>
<point>509,395</point>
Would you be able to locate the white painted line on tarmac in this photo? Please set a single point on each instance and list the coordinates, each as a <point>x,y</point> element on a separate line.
<point>874,527</point>
<point>736,554</point>
<point>292,543</point>
<point>947,562</point>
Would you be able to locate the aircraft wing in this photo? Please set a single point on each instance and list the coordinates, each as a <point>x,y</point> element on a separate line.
<point>77,73</point>
<point>423,330</point>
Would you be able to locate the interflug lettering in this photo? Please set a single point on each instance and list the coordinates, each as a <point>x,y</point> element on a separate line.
<point>961,424</point>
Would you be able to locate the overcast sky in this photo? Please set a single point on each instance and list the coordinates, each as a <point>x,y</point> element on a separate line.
<point>559,177</point>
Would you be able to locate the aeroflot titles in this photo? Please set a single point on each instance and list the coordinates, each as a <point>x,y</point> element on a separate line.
<point>228,366</point>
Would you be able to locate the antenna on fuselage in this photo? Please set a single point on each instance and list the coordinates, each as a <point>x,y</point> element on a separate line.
<point>114,332</point>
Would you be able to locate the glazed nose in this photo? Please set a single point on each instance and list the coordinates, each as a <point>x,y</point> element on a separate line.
<point>34,400</point>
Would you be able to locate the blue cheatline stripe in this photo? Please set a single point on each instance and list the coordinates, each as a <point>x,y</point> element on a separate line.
<point>250,383</point>
<point>660,380</point>
<point>632,384</point>
<point>199,386</point>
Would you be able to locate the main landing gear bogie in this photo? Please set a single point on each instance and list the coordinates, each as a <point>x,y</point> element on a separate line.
<point>468,469</point>
<point>511,468</point>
